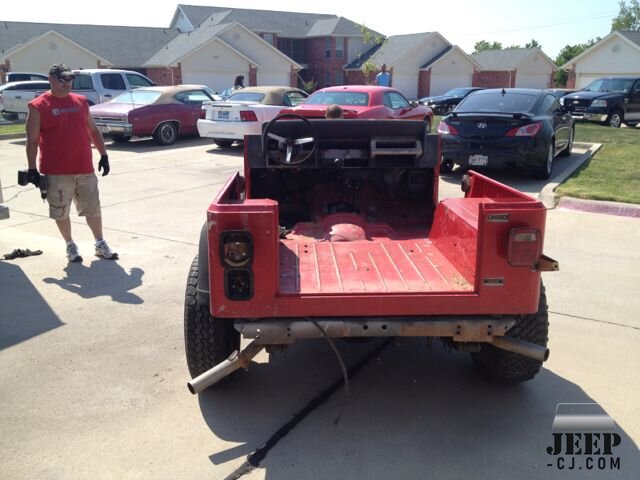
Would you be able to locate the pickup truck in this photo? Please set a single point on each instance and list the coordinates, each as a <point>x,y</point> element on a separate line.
<point>335,230</point>
<point>610,101</point>
<point>102,85</point>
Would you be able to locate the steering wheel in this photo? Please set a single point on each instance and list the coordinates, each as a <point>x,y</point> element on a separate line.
<point>289,151</point>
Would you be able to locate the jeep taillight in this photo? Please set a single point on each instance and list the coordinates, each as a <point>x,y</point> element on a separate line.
<point>248,116</point>
<point>236,256</point>
<point>525,247</point>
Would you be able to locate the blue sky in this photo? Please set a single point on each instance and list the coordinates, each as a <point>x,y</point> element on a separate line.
<point>552,23</point>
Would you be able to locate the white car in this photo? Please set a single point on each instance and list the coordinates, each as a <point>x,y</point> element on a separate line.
<point>244,112</point>
<point>15,97</point>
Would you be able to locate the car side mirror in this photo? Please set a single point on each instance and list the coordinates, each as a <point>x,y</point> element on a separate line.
<point>414,103</point>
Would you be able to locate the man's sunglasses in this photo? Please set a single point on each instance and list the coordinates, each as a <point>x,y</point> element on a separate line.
<point>65,80</point>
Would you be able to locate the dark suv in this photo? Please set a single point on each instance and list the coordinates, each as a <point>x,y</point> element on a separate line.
<point>611,101</point>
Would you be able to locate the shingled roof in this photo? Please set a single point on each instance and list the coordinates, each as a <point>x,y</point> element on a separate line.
<point>392,50</point>
<point>507,59</point>
<point>113,43</point>
<point>285,24</point>
<point>631,36</point>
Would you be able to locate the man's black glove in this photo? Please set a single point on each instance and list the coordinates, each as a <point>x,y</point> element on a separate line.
<point>104,164</point>
<point>33,176</point>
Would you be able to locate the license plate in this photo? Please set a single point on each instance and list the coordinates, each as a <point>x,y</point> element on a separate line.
<point>478,160</point>
<point>103,129</point>
<point>223,115</point>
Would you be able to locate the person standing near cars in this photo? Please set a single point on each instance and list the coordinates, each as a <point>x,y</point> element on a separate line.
<point>60,126</point>
<point>383,79</point>
<point>238,83</point>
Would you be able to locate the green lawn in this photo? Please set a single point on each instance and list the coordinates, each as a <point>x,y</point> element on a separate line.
<point>12,128</point>
<point>614,172</point>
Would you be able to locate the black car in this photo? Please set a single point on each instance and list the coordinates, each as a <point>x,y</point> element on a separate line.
<point>498,128</point>
<point>443,104</point>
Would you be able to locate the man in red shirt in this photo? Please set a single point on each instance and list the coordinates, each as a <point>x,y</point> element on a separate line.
<point>59,124</point>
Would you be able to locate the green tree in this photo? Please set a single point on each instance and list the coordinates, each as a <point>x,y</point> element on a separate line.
<point>369,68</point>
<point>628,17</point>
<point>533,44</point>
<point>566,54</point>
<point>483,45</point>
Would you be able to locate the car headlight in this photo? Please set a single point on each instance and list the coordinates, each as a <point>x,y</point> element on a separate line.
<point>599,103</point>
<point>561,100</point>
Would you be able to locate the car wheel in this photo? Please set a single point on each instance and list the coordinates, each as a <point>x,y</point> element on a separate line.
<point>615,119</point>
<point>427,123</point>
<point>166,133</point>
<point>446,166</point>
<point>567,151</point>
<point>222,143</point>
<point>544,171</point>
<point>9,116</point>
<point>208,340</point>
<point>501,366</point>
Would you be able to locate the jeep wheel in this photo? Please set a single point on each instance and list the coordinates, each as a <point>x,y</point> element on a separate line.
<point>501,366</point>
<point>615,119</point>
<point>166,133</point>
<point>207,340</point>
<point>222,143</point>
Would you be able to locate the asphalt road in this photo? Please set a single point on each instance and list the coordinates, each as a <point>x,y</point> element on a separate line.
<point>93,375</point>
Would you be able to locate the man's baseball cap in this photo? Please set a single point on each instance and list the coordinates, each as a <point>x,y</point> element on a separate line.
<point>60,70</point>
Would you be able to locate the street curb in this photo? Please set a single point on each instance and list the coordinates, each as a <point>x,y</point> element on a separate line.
<point>548,195</point>
<point>10,136</point>
<point>600,206</point>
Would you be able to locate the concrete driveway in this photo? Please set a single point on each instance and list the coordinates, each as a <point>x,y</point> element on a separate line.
<point>93,375</point>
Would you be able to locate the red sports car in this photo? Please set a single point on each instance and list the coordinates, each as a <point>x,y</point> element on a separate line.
<point>162,112</point>
<point>363,101</point>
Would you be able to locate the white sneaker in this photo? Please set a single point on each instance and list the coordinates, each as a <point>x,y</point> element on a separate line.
<point>103,250</point>
<point>72,252</point>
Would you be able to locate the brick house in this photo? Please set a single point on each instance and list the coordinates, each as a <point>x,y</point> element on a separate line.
<point>514,67</point>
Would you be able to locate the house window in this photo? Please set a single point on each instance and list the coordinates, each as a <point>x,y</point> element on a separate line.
<point>339,47</point>
<point>339,76</point>
<point>327,47</point>
<point>293,48</point>
<point>327,78</point>
<point>268,37</point>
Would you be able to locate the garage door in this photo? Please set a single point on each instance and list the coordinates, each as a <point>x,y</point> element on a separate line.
<point>407,84</point>
<point>273,78</point>
<point>532,81</point>
<point>583,80</point>
<point>443,83</point>
<point>217,81</point>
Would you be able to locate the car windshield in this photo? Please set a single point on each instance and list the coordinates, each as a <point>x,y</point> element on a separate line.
<point>354,99</point>
<point>457,92</point>
<point>620,85</point>
<point>246,97</point>
<point>137,97</point>
<point>498,102</point>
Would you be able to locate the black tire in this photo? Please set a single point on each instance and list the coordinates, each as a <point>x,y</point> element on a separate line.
<point>615,119</point>
<point>446,166</point>
<point>166,133</point>
<point>544,171</point>
<point>222,143</point>
<point>10,116</point>
<point>567,150</point>
<point>501,366</point>
<point>120,138</point>
<point>208,340</point>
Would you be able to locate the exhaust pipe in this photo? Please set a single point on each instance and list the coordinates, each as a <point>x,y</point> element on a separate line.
<point>227,367</point>
<point>526,349</point>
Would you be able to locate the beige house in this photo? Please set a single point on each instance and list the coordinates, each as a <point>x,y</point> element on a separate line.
<point>514,67</point>
<point>618,54</point>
